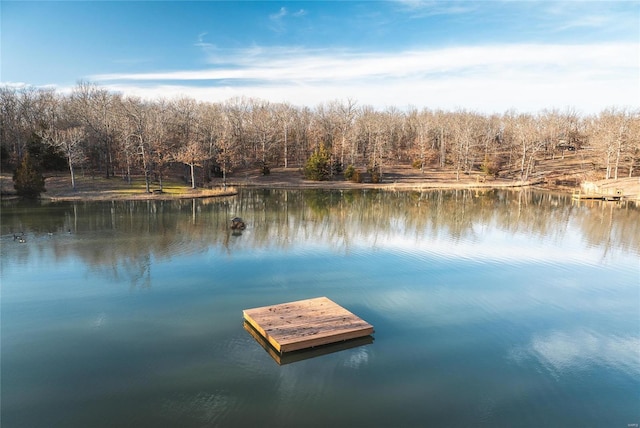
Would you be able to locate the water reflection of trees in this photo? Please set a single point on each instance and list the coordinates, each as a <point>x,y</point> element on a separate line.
<point>121,238</point>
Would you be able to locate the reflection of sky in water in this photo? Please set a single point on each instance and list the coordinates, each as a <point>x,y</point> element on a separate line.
<point>564,351</point>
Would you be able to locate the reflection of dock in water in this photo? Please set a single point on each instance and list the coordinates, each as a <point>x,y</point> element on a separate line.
<point>304,354</point>
<point>304,324</point>
<point>594,197</point>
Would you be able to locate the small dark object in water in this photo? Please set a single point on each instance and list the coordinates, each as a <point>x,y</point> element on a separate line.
<point>238,223</point>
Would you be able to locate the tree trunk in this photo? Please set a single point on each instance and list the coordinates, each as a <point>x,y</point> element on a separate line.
<point>523,161</point>
<point>443,150</point>
<point>146,170</point>
<point>73,176</point>
<point>618,154</point>
<point>285,148</point>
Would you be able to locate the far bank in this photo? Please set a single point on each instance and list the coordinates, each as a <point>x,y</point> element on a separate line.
<point>58,187</point>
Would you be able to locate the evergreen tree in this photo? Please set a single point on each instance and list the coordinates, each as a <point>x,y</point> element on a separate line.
<point>28,180</point>
<point>318,167</point>
<point>45,156</point>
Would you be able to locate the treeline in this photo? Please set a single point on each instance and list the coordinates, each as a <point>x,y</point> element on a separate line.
<point>110,134</point>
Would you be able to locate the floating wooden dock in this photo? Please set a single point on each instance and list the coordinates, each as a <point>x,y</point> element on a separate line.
<point>305,354</point>
<point>305,324</point>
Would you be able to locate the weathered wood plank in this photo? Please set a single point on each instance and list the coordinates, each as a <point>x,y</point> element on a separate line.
<point>304,354</point>
<point>306,323</point>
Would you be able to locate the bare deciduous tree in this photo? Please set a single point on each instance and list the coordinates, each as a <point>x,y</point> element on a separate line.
<point>613,136</point>
<point>147,137</point>
<point>96,109</point>
<point>286,116</point>
<point>69,141</point>
<point>192,155</point>
<point>190,150</point>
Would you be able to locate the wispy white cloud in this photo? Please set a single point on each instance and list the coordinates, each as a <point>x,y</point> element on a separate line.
<point>285,12</point>
<point>202,43</point>
<point>277,20</point>
<point>593,21</point>
<point>587,17</point>
<point>425,8</point>
<point>301,65</point>
<point>523,76</point>
<point>279,15</point>
<point>413,4</point>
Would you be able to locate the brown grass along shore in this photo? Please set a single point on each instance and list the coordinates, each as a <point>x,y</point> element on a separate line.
<point>401,178</point>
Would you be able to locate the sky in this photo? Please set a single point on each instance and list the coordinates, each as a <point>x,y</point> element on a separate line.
<point>483,55</point>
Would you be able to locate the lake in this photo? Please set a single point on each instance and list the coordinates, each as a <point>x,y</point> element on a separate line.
<point>490,308</point>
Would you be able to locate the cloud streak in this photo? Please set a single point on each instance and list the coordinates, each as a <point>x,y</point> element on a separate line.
<point>522,76</point>
<point>424,8</point>
<point>530,61</point>
<point>277,19</point>
<point>281,14</point>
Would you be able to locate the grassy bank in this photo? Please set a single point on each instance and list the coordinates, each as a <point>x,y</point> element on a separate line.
<point>58,187</point>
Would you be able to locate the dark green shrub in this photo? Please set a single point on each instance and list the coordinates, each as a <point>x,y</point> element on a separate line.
<point>46,157</point>
<point>318,167</point>
<point>348,172</point>
<point>352,174</point>
<point>28,180</point>
<point>4,154</point>
<point>336,168</point>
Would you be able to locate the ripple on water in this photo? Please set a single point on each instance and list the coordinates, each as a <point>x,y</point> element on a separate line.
<point>206,407</point>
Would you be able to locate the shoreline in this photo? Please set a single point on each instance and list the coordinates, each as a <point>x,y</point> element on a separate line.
<point>93,189</point>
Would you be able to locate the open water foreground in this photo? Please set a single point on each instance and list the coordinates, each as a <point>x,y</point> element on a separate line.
<point>492,308</point>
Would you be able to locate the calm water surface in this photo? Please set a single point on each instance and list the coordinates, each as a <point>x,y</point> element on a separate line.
<point>496,309</point>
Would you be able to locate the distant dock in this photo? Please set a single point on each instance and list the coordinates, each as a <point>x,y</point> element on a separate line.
<point>305,324</point>
<point>591,192</point>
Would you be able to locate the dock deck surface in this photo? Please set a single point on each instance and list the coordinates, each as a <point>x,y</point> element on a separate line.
<point>306,323</point>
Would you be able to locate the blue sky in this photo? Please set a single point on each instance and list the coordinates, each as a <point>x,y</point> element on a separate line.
<point>489,56</point>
